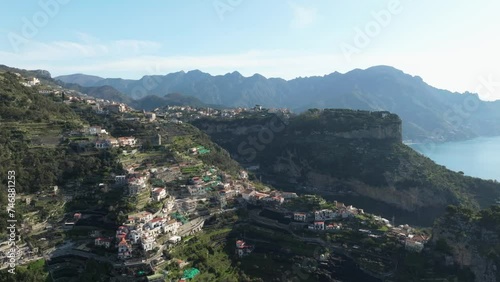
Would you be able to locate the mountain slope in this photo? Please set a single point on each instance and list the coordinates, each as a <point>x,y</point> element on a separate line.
<point>152,102</point>
<point>428,113</point>
<point>353,156</point>
<point>81,79</point>
<point>471,240</point>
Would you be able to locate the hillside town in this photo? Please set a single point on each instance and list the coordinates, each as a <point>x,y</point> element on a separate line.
<point>175,198</point>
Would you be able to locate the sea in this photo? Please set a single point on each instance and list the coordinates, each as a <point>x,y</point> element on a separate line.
<point>479,157</point>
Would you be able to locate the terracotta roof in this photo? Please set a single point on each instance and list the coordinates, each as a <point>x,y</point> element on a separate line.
<point>158,190</point>
<point>247,191</point>
<point>123,242</point>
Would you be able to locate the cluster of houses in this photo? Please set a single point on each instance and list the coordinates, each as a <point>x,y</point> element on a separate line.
<point>324,219</point>
<point>273,197</point>
<point>104,141</point>
<point>141,230</point>
<point>176,113</point>
<point>29,82</point>
<point>101,106</point>
<point>327,219</point>
<point>99,138</point>
<point>406,236</point>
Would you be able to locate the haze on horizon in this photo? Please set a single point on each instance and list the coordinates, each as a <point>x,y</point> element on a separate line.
<point>450,44</point>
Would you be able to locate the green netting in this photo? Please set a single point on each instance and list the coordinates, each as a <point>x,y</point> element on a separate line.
<point>190,273</point>
<point>180,217</point>
<point>203,151</point>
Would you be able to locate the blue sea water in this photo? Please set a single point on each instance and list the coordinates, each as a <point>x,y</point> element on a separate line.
<point>478,157</point>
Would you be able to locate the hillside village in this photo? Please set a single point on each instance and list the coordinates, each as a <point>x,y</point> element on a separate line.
<point>173,200</point>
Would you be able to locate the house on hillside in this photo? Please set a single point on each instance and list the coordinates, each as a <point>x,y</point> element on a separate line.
<point>243,174</point>
<point>319,225</point>
<point>289,195</point>
<point>333,226</point>
<point>102,144</point>
<point>148,243</point>
<point>174,239</point>
<point>196,190</point>
<point>171,226</point>
<point>159,194</point>
<point>116,108</point>
<point>415,243</point>
<point>121,179</point>
<point>94,130</point>
<point>300,216</point>
<point>248,194</point>
<point>127,141</point>
<point>324,214</point>
<point>243,249</point>
<point>124,249</point>
<point>186,204</point>
<point>157,222</point>
<point>136,184</point>
<point>121,233</point>
<point>135,236</point>
<point>140,217</point>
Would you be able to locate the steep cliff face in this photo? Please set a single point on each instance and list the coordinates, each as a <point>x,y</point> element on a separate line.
<point>472,241</point>
<point>346,152</point>
<point>348,124</point>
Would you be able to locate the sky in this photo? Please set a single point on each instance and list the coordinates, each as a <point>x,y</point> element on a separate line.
<point>451,44</point>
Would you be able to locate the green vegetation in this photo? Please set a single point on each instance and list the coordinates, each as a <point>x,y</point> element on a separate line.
<point>34,271</point>
<point>344,120</point>
<point>213,155</point>
<point>22,104</point>
<point>460,233</point>
<point>306,203</point>
<point>39,168</point>
<point>206,253</point>
<point>423,267</point>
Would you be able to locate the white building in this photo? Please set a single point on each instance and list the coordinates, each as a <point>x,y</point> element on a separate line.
<point>324,215</point>
<point>174,239</point>
<point>196,190</point>
<point>140,217</point>
<point>148,243</point>
<point>135,236</point>
<point>94,130</point>
<point>299,216</point>
<point>319,225</point>
<point>248,194</point>
<point>243,174</point>
<point>172,226</point>
<point>159,194</point>
<point>127,141</point>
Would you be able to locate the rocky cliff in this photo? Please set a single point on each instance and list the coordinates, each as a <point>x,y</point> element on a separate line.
<point>471,240</point>
<point>354,155</point>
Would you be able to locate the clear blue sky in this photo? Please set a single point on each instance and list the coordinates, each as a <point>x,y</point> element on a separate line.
<point>451,44</point>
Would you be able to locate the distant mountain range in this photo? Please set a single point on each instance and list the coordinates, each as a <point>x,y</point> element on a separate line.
<point>148,103</point>
<point>428,113</point>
